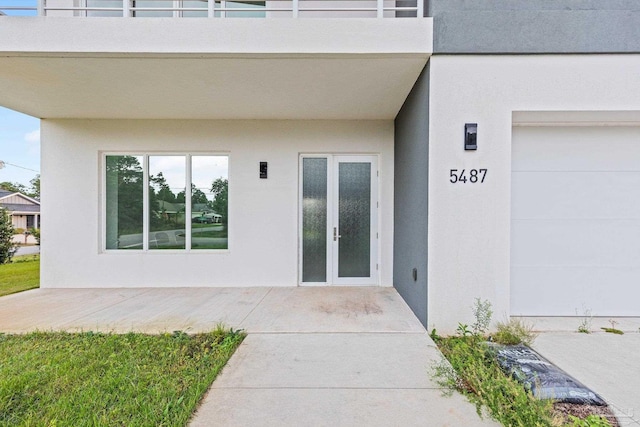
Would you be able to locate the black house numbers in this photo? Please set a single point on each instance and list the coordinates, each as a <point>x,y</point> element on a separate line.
<point>464,176</point>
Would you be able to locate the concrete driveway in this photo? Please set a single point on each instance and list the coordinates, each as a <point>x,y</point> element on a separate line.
<point>314,356</point>
<point>608,364</point>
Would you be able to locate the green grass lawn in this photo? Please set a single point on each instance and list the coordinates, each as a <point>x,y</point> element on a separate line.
<point>21,274</point>
<point>91,379</point>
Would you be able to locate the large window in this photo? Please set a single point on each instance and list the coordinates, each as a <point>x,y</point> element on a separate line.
<point>166,216</point>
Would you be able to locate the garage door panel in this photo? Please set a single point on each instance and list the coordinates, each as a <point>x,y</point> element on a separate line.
<point>575,148</point>
<point>575,195</point>
<point>567,291</point>
<point>575,229</point>
<point>576,243</point>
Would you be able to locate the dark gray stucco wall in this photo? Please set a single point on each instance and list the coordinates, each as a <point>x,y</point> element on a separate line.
<point>535,26</point>
<point>411,197</point>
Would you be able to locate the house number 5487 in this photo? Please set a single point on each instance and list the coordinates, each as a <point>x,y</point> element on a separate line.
<point>463,176</point>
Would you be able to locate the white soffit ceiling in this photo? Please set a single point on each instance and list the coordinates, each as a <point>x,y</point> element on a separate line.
<point>211,69</point>
<point>201,87</point>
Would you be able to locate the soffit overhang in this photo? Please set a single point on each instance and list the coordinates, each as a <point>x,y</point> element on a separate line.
<point>154,68</point>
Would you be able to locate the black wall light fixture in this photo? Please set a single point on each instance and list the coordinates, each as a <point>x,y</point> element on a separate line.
<point>263,170</point>
<point>470,136</point>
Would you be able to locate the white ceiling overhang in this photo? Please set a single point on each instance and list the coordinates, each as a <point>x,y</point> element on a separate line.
<point>210,68</point>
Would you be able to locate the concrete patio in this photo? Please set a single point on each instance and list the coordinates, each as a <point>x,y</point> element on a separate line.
<point>336,356</point>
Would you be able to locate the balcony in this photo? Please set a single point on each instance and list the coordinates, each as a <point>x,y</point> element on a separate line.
<point>216,8</point>
<point>166,66</point>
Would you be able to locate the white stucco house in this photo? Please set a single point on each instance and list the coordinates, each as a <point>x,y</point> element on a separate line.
<point>453,149</point>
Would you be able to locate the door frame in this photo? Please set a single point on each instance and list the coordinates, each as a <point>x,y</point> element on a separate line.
<point>332,206</point>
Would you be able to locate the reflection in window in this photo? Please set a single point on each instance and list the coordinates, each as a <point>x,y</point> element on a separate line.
<point>166,207</point>
<point>195,4</point>
<point>250,9</point>
<point>124,205</point>
<point>103,4</point>
<point>209,202</point>
<point>169,224</point>
<point>153,4</point>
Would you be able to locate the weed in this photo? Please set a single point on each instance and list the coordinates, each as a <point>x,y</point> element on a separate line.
<point>514,331</point>
<point>613,329</point>
<point>463,330</point>
<point>590,421</point>
<point>482,313</point>
<point>585,323</point>
<point>471,368</point>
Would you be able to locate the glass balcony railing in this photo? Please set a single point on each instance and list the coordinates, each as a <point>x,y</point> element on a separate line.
<point>216,8</point>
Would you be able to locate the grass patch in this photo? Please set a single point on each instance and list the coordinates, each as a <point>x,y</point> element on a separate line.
<point>472,369</point>
<point>211,233</point>
<point>470,366</point>
<point>90,379</point>
<point>21,274</point>
<point>514,331</point>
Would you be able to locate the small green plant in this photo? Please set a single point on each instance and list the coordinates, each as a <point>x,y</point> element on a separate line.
<point>590,421</point>
<point>585,323</point>
<point>482,313</point>
<point>36,233</point>
<point>514,331</point>
<point>18,231</point>
<point>613,329</point>
<point>463,330</point>
<point>434,335</point>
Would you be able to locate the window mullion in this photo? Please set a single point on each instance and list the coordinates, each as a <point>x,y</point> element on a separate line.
<point>145,203</point>
<point>187,203</point>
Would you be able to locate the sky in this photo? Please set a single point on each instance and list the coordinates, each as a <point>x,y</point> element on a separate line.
<point>204,170</point>
<point>19,146</point>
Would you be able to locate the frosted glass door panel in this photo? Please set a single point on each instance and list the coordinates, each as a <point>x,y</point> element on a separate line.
<point>314,220</point>
<point>354,213</point>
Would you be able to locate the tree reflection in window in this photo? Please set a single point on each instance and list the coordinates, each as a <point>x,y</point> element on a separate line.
<point>124,205</point>
<point>167,207</point>
<point>209,202</point>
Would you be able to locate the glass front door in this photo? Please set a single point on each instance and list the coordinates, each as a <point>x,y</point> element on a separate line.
<point>339,212</point>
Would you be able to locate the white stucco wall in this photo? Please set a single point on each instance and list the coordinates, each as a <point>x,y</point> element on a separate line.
<point>263,233</point>
<point>469,224</point>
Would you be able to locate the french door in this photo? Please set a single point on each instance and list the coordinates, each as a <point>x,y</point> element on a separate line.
<point>339,219</point>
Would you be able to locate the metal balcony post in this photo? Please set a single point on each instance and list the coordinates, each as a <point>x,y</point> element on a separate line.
<point>126,11</point>
<point>380,8</point>
<point>420,12</point>
<point>41,7</point>
<point>210,10</point>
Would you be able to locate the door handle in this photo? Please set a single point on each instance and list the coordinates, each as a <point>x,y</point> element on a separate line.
<point>336,236</point>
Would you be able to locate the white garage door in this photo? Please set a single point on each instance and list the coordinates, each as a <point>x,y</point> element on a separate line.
<point>575,230</point>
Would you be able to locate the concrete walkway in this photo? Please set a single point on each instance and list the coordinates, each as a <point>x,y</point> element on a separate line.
<point>314,356</point>
<point>608,364</point>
